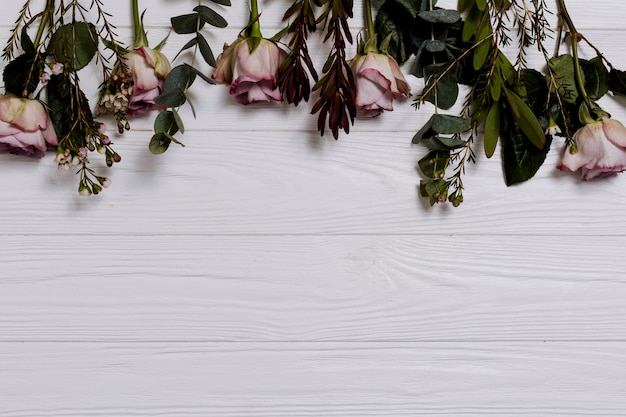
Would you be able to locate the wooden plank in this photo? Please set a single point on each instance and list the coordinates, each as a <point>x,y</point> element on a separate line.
<point>312,379</point>
<point>285,183</point>
<point>305,288</point>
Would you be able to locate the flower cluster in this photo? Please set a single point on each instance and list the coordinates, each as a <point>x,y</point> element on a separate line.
<point>44,107</point>
<point>509,104</point>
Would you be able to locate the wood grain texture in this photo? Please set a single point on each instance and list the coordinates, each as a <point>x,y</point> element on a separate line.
<point>303,288</point>
<point>263,271</point>
<point>312,379</point>
<point>277,183</point>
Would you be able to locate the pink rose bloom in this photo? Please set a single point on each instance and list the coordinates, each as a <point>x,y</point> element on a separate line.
<point>600,150</point>
<point>25,127</point>
<point>378,80</point>
<point>149,68</point>
<point>252,75</point>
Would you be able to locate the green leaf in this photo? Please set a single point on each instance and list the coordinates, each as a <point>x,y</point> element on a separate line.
<point>445,92</point>
<point>481,4</point>
<point>492,129</point>
<point>222,2</point>
<point>471,23</point>
<point>481,53</point>
<point>208,15</point>
<point>189,44</point>
<point>26,42</point>
<point>74,44</point>
<point>394,23</point>
<point>617,81</point>
<point>445,124</point>
<point>172,98</point>
<point>187,23</point>
<point>436,190</point>
<point>16,74</point>
<point>434,163</point>
<point>179,123</point>
<point>563,69</point>
<point>179,78</point>
<point>159,143</point>
<point>434,45</point>
<point>526,119</point>
<point>520,158</point>
<point>442,143</point>
<point>203,76</point>
<point>165,122</point>
<point>440,16</point>
<point>596,77</point>
<point>463,5</point>
<point>411,6</point>
<point>205,50</point>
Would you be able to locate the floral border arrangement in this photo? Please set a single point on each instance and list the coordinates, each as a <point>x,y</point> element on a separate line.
<point>507,101</point>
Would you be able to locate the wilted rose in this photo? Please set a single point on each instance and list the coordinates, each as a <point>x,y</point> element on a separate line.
<point>599,149</point>
<point>378,80</point>
<point>25,127</point>
<point>149,68</point>
<point>252,75</point>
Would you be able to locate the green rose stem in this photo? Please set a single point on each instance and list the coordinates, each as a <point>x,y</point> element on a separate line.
<point>140,34</point>
<point>255,26</point>
<point>371,31</point>
<point>576,37</point>
<point>45,18</point>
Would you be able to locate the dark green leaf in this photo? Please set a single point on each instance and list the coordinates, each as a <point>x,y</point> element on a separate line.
<point>442,143</point>
<point>179,78</point>
<point>596,77</point>
<point>205,50</point>
<point>563,69</point>
<point>187,23</point>
<point>393,21</point>
<point>445,92</point>
<point>445,124</point>
<point>189,44</point>
<point>440,16</point>
<point>208,15</point>
<point>159,143</point>
<point>434,45</point>
<point>179,123</point>
<point>27,44</point>
<point>74,44</point>
<point>165,122</point>
<point>520,158</point>
<point>617,81</point>
<point>203,76</point>
<point>526,119</point>
<point>436,190</point>
<point>434,163</point>
<point>22,73</point>
<point>172,98</point>
<point>222,2</point>
<point>411,6</point>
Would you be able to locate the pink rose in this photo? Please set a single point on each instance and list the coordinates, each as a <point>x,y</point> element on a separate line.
<point>149,68</point>
<point>25,127</point>
<point>252,75</point>
<point>378,80</point>
<point>600,150</point>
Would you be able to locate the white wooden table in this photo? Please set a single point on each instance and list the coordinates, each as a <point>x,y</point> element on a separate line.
<point>265,271</point>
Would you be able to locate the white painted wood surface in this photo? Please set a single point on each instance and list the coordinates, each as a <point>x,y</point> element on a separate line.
<point>265,271</point>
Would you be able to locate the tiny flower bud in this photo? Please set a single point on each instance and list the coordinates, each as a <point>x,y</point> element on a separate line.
<point>82,152</point>
<point>57,68</point>
<point>106,140</point>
